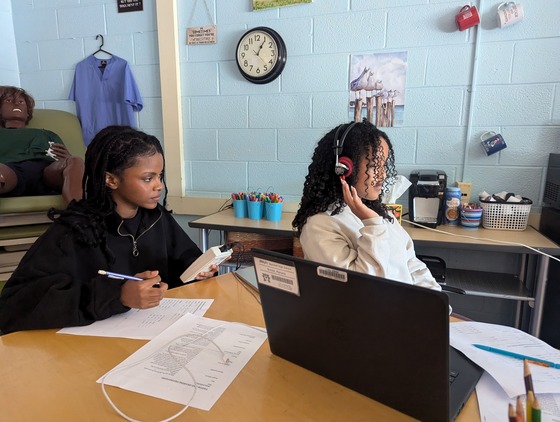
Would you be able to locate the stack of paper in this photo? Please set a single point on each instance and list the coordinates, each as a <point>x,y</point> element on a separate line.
<point>504,380</point>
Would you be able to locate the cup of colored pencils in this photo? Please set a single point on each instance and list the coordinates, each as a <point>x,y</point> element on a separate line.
<point>239,204</point>
<point>273,206</point>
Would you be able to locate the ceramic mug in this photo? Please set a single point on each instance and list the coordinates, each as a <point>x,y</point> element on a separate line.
<point>468,16</point>
<point>509,12</point>
<point>492,142</point>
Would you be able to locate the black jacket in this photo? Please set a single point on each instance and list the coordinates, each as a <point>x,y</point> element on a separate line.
<point>56,283</point>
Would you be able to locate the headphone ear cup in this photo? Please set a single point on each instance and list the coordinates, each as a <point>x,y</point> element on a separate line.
<point>346,167</point>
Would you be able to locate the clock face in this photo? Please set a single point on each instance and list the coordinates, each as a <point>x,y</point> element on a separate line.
<point>261,55</point>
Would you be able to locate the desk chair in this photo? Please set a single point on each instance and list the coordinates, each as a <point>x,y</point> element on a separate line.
<point>24,218</point>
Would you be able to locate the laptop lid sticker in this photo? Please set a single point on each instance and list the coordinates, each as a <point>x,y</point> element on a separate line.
<point>333,274</point>
<point>278,275</point>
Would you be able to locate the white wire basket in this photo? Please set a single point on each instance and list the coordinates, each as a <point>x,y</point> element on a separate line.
<point>505,216</point>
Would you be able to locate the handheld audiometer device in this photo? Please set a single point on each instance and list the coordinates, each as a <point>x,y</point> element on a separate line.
<point>214,255</point>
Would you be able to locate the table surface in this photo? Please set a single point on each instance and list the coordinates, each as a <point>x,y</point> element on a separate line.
<point>52,377</point>
<point>480,239</point>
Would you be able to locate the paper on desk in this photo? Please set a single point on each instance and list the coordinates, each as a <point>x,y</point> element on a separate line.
<point>143,324</point>
<point>507,371</point>
<point>493,402</point>
<point>160,371</point>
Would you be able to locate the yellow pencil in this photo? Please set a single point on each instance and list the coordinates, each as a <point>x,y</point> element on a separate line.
<point>527,377</point>
<point>529,406</point>
<point>536,413</point>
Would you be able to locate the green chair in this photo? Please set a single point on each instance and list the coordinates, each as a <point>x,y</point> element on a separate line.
<point>23,219</point>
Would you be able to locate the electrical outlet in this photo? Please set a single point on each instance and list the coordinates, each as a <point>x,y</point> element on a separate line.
<point>466,191</point>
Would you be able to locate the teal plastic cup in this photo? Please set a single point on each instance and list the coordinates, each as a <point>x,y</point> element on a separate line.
<point>255,210</point>
<point>273,211</point>
<point>240,208</point>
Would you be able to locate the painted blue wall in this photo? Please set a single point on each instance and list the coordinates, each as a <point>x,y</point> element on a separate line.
<point>240,136</point>
<point>9,72</point>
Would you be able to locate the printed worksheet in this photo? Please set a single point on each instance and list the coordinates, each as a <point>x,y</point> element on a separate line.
<point>192,362</point>
<point>142,324</point>
<point>506,370</point>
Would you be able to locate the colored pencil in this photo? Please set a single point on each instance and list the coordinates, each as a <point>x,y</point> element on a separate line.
<point>519,410</point>
<point>534,360</point>
<point>511,413</point>
<point>527,376</point>
<point>529,400</point>
<point>536,413</point>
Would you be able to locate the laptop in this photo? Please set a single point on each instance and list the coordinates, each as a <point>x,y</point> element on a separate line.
<point>384,339</point>
<point>248,277</point>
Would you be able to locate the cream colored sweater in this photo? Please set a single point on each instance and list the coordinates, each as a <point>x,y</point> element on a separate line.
<point>374,246</point>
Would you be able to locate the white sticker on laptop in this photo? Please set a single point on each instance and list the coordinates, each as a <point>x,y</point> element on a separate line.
<point>332,274</point>
<point>278,275</point>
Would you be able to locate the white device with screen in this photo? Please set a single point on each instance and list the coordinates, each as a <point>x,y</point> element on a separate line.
<point>214,255</point>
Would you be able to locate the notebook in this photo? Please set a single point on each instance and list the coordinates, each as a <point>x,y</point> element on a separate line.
<point>384,339</point>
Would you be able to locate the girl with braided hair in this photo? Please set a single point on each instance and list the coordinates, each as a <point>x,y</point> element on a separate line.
<point>341,219</point>
<point>118,226</point>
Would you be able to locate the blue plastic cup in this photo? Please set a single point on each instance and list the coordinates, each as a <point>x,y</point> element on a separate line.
<point>255,209</point>
<point>273,211</point>
<point>240,208</point>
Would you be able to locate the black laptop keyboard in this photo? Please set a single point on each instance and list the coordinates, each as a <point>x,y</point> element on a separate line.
<point>452,376</point>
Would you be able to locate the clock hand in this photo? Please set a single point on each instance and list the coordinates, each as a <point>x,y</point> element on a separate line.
<point>261,46</point>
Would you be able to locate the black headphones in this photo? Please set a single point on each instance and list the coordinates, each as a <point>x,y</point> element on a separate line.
<point>343,166</point>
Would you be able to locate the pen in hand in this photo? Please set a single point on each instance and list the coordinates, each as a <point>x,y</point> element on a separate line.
<point>118,276</point>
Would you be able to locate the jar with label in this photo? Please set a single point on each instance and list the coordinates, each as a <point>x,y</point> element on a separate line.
<point>452,205</point>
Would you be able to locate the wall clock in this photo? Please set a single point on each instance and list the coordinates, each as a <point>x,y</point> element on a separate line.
<point>261,55</point>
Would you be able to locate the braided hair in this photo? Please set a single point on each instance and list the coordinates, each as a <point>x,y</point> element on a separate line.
<point>322,189</point>
<point>114,149</point>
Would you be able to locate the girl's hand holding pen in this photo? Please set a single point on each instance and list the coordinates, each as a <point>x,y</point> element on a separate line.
<point>142,294</point>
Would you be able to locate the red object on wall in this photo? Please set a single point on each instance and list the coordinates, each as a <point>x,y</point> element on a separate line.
<point>468,16</point>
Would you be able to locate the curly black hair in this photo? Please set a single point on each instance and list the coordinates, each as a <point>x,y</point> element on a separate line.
<point>113,150</point>
<point>322,188</point>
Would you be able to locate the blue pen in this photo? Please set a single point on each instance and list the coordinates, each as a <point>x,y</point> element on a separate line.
<point>531,359</point>
<point>118,276</point>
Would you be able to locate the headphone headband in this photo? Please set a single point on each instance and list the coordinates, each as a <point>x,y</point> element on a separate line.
<point>343,165</point>
<point>339,141</point>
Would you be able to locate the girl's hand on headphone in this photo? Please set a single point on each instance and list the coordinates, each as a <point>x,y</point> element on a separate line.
<point>355,202</point>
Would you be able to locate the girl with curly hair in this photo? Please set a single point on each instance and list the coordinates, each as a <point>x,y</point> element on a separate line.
<point>342,220</point>
<point>119,226</point>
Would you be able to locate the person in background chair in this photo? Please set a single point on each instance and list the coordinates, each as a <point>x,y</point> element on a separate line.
<point>118,226</point>
<point>33,161</point>
<point>341,219</point>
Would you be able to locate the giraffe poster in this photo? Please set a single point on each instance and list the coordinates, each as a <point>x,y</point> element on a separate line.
<point>377,88</point>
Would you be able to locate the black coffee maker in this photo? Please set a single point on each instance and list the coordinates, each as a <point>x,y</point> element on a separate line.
<point>426,197</point>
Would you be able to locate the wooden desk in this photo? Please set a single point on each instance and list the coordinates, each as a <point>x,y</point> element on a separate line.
<point>225,221</point>
<point>52,377</point>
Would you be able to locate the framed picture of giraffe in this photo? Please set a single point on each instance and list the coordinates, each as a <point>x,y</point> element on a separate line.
<point>377,88</point>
